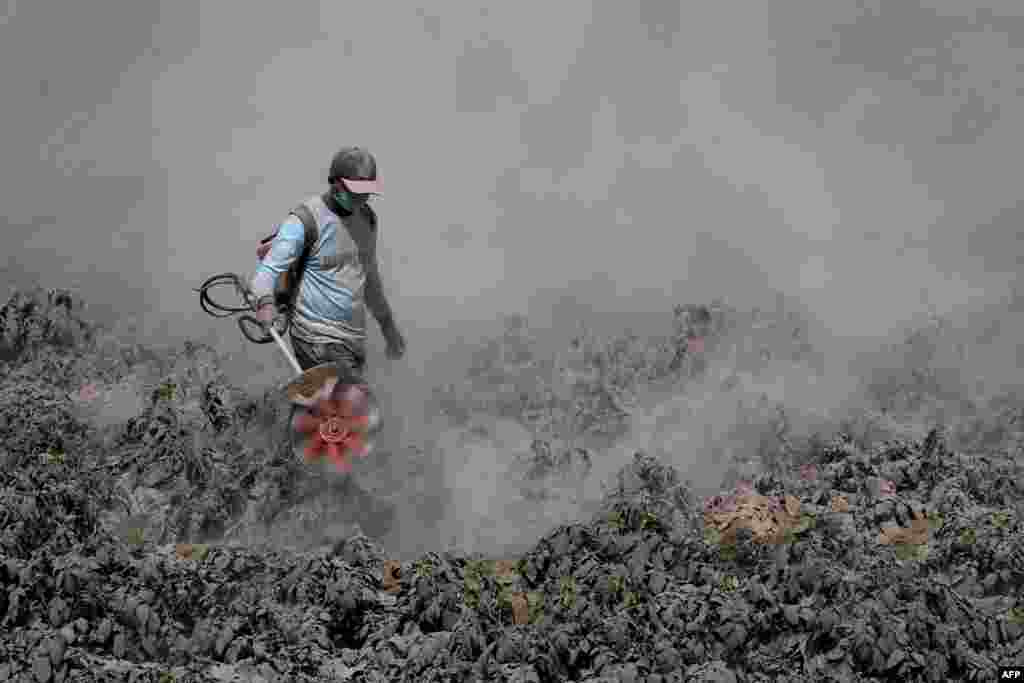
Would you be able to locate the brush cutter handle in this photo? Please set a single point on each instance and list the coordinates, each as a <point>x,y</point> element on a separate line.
<point>278,325</point>
<point>247,321</point>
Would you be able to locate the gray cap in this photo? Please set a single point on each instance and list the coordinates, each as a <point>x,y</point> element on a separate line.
<point>357,168</point>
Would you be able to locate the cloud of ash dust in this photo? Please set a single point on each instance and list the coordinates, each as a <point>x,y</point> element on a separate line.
<point>751,398</point>
<point>742,402</point>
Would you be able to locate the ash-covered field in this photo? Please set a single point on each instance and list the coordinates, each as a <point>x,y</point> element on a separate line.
<point>155,527</point>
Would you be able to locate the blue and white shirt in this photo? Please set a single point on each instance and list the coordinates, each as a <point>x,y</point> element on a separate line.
<point>341,277</point>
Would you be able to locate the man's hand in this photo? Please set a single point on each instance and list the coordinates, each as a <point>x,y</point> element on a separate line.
<point>395,341</point>
<point>271,318</point>
<point>265,313</point>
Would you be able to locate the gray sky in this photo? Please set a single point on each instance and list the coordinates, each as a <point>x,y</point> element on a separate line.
<point>613,158</point>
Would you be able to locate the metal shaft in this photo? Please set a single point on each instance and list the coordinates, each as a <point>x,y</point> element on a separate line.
<point>285,350</point>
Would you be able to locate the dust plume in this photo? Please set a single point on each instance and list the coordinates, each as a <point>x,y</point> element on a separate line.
<point>593,162</point>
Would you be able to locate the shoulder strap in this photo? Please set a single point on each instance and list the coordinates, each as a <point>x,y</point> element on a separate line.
<point>303,213</point>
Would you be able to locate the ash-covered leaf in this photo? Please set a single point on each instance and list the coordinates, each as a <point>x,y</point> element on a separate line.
<point>219,589</point>
<point>1001,520</point>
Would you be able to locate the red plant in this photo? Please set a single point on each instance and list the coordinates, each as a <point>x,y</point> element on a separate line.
<point>744,488</point>
<point>88,393</point>
<point>337,427</point>
<point>719,504</point>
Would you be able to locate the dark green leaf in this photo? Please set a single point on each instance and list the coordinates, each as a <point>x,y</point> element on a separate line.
<point>895,658</point>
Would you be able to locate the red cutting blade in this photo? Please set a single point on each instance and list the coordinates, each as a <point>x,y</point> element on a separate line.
<point>337,427</point>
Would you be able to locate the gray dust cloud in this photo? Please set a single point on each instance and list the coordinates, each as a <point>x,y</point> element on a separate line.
<point>594,162</point>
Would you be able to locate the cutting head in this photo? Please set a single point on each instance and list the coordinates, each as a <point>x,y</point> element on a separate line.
<point>334,419</point>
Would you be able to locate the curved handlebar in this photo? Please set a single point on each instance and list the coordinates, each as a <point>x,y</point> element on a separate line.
<point>281,322</point>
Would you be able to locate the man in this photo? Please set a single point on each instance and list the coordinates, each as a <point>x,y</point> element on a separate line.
<point>341,279</point>
<point>341,276</point>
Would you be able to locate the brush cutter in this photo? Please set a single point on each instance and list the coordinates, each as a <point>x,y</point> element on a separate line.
<point>334,414</point>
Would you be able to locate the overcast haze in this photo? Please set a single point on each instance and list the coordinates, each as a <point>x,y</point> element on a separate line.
<point>863,158</point>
